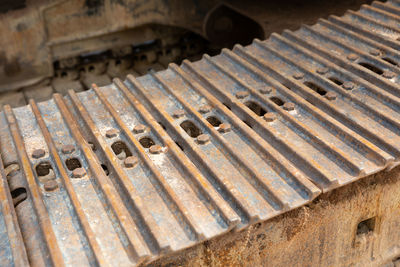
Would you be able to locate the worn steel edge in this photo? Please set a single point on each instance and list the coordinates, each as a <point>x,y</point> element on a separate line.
<point>149,166</point>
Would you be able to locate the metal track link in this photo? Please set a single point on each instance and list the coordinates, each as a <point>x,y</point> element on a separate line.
<point>126,173</point>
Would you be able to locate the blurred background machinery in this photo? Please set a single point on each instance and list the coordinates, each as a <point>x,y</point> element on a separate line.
<point>49,46</point>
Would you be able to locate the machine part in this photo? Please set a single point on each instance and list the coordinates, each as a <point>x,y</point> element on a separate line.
<point>152,177</point>
<point>80,72</point>
<point>43,40</point>
<point>226,26</point>
<point>355,225</point>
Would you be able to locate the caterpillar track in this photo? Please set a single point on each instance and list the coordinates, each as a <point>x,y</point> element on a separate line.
<point>144,168</point>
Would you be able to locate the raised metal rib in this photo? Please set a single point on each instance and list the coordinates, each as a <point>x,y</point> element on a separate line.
<point>34,190</point>
<point>142,212</point>
<point>91,238</point>
<point>323,44</point>
<point>387,7</point>
<point>361,110</point>
<point>12,244</point>
<point>354,27</point>
<point>183,213</point>
<point>355,39</point>
<point>135,241</point>
<point>281,112</point>
<point>273,194</point>
<point>202,184</point>
<point>326,106</point>
<point>234,196</point>
<point>313,116</point>
<point>274,156</point>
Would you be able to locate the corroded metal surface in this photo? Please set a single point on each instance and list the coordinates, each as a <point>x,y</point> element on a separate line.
<point>356,225</point>
<point>149,166</point>
<point>63,54</point>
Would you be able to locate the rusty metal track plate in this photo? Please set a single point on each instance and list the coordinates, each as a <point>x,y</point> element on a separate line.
<point>145,167</point>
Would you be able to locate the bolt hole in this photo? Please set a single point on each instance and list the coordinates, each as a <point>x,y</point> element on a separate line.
<point>105,169</point>
<point>73,163</point>
<point>118,62</point>
<point>18,195</point>
<point>389,60</point>
<point>214,121</point>
<point>146,142</point>
<point>371,68</point>
<point>336,80</point>
<point>121,150</point>
<point>191,129</point>
<point>256,108</point>
<point>277,100</point>
<point>366,226</point>
<point>315,88</point>
<point>44,169</point>
<point>91,68</point>
<point>63,74</point>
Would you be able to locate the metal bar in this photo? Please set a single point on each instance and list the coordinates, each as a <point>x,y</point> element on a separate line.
<point>185,215</point>
<point>204,148</point>
<point>234,196</point>
<point>7,212</point>
<point>314,137</point>
<point>241,160</point>
<point>202,184</point>
<point>274,155</point>
<point>91,238</point>
<point>326,106</point>
<point>136,243</point>
<point>34,191</point>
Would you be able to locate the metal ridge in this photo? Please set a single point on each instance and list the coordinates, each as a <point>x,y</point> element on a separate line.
<point>127,173</point>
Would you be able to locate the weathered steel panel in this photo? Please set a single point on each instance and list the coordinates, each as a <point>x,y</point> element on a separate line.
<point>142,168</point>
